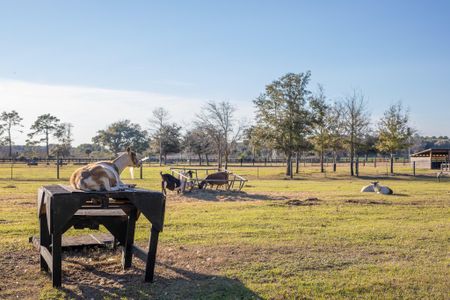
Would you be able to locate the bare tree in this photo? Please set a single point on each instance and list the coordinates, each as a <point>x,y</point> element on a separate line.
<point>356,123</point>
<point>198,141</point>
<point>335,122</point>
<point>320,128</point>
<point>64,136</point>
<point>218,121</point>
<point>158,123</point>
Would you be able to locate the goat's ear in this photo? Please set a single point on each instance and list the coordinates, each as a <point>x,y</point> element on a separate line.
<point>128,149</point>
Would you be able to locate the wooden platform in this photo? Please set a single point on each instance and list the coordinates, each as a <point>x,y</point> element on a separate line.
<point>61,207</point>
<point>80,241</point>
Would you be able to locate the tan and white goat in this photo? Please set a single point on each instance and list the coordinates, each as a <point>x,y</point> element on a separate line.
<point>104,175</point>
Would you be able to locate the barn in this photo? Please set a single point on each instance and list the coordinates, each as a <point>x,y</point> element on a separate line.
<point>430,158</point>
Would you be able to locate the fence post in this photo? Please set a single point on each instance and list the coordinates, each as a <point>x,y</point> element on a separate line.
<point>357,167</point>
<point>241,162</point>
<point>414,168</point>
<point>140,171</point>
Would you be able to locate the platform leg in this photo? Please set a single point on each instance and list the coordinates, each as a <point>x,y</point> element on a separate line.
<point>56,258</point>
<point>128,247</point>
<point>151,256</point>
<point>44,240</point>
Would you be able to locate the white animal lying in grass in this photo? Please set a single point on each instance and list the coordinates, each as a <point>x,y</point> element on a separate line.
<point>375,187</point>
<point>104,175</point>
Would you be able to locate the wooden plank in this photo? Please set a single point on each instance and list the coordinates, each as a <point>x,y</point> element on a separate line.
<point>100,213</point>
<point>47,256</point>
<point>86,240</point>
<point>140,253</point>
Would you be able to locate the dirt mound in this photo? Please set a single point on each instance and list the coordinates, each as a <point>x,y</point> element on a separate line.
<point>373,202</point>
<point>307,202</point>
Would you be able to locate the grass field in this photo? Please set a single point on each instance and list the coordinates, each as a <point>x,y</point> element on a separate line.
<point>268,241</point>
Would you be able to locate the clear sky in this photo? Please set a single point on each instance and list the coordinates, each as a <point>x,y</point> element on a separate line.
<point>95,62</point>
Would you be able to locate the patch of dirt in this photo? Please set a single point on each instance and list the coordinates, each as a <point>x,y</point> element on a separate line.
<point>373,202</point>
<point>6,221</point>
<point>9,186</point>
<point>19,275</point>
<point>221,196</point>
<point>306,202</point>
<point>182,272</point>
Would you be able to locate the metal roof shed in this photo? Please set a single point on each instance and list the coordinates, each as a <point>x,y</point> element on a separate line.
<point>430,158</point>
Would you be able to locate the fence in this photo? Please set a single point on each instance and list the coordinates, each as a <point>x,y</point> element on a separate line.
<point>14,169</point>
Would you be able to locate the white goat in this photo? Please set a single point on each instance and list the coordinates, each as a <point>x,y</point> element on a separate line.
<point>376,188</point>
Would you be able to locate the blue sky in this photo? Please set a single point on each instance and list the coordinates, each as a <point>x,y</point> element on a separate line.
<point>123,58</point>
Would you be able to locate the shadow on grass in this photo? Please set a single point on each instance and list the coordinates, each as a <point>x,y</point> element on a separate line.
<point>180,284</point>
<point>221,195</point>
<point>397,177</point>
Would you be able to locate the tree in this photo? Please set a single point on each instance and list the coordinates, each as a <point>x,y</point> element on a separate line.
<point>394,132</point>
<point>119,135</point>
<point>45,126</point>
<point>89,150</point>
<point>320,129</point>
<point>167,140</point>
<point>9,120</point>
<point>64,137</point>
<point>283,115</point>
<point>356,124</point>
<point>158,123</point>
<point>334,119</point>
<point>197,141</point>
<point>218,121</point>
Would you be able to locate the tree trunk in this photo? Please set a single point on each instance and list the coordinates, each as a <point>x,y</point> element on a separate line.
<point>334,161</point>
<point>165,158</point>
<point>10,142</point>
<point>200,158</point>
<point>226,159</point>
<point>392,163</point>
<point>46,144</point>
<point>357,167</point>
<point>207,159</point>
<point>297,163</point>
<point>289,165</point>
<point>352,157</point>
<point>219,154</point>
<point>322,170</point>
<point>160,149</point>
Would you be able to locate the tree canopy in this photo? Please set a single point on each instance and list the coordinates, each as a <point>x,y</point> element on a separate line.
<point>283,114</point>
<point>394,132</point>
<point>45,126</point>
<point>119,135</point>
<point>9,120</point>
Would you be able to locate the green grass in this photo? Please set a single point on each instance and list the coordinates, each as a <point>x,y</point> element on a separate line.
<point>350,245</point>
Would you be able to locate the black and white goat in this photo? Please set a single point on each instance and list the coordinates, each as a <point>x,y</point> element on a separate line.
<point>172,183</point>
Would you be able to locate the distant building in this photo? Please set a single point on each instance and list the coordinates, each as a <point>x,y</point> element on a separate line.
<point>431,158</point>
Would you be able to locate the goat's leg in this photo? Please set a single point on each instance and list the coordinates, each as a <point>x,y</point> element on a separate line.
<point>163,188</point>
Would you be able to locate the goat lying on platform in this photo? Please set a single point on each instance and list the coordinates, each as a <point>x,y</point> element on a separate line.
<point>172,183</point>
<point>219,179</point>
<point>104,175</point>
<point>375,187</point>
